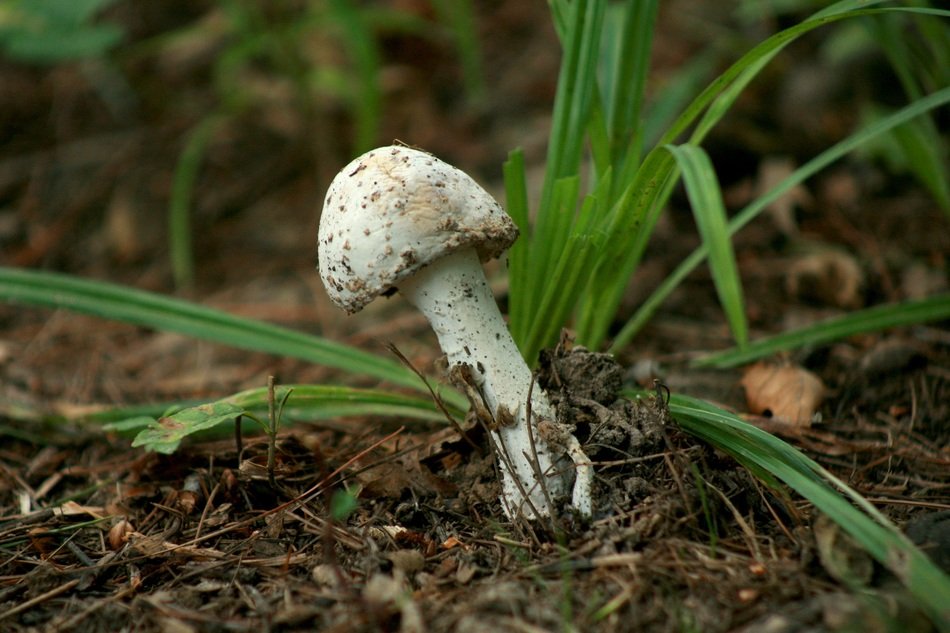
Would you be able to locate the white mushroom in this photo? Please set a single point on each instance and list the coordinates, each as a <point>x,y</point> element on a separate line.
<point>400,218</point>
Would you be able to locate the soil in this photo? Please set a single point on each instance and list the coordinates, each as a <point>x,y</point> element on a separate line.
<point>98,536</point>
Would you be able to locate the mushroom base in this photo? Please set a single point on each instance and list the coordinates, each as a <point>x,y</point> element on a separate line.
<point>454,296</point>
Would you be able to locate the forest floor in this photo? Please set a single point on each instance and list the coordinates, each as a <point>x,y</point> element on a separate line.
<point>96,535</point>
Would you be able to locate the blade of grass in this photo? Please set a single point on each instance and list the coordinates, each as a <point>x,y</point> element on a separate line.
<point>366,102</point>
<point>151,310</point>
<point>551,236</point>
<point>705,198</point>
<point>761,451</point>
<point>575,87</point>
<point>460,18</point>
<point>556,304</point>
<point>179,207</point>
<point>570,272</point>
<point>674,96</point>
<point>920,144</point>
<point>868,320</point>
<point>746,215</point>
<point>920,139</point>
<point>631,220</point>
<point>636,215</point>
<point>520,253</point>
<point>935,35</point>
<point>627,84</point>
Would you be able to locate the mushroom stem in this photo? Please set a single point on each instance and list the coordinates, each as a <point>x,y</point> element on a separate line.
<point>453,294</point>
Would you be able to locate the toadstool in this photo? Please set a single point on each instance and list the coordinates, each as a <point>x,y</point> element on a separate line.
<point>399,218</point>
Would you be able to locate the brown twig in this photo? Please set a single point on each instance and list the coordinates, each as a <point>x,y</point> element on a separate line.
<point>52,593</point>
<point>435,398</point>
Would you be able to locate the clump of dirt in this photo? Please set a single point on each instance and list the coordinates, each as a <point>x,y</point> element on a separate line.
<point>585,389</point>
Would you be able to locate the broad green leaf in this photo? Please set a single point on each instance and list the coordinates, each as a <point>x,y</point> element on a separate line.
<point>342,505</point>
<point>55,31</point>
<point>64,13</point>
<point>304,403</point>
<point>165,434</point>
<point>54,47</point>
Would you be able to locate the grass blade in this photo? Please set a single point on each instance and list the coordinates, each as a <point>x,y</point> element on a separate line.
<point>760,451</point>
<point>639,206</point>
<point>367,100</point>
<point>579,24</point>
<point>920,140</point>
<point>631,222</point>
<point>459,16</point>
<point>705,198</point>
<point>151,310</point>
<point>869,320</point>
<point>627,83</point>
<point>746,215</point>
<point>179,207</point>
<point>521,252</point>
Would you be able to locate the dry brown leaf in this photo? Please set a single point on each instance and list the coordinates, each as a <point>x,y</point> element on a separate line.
<point>784,392</point>
<point>387,480</point>
<point>118,533</point>
<point>71,509</point>
<point>155,546</point>
<point>772,171</point>
<point>827,277</point>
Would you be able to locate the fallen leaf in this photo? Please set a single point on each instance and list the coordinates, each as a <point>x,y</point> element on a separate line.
<point>772,171</point>
<point>783,392</point>
<point>118,533</point>
<point>827,277</point>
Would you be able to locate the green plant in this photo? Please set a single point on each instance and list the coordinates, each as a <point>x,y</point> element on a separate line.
<point>578,263</point>
<point>52,31</point>
<point>575,259</point>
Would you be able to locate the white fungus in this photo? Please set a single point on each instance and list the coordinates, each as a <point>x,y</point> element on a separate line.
<point>400,218</point>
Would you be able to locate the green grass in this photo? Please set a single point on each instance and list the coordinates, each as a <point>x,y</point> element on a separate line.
<point>613,160</point>
<point>605,229</point>
<point>49,32</point>
<point>770,457</point>
<point>874,319</point>
<point>850,144</point>
<point>151,310</point>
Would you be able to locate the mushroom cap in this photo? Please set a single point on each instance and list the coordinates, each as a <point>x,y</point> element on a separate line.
<point>395,210</point>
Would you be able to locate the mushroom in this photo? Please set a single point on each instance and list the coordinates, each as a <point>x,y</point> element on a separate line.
<point>399,218</point>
